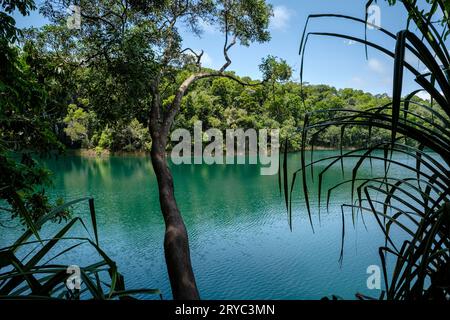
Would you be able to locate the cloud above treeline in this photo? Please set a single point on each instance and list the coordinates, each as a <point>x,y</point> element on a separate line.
<point>281,17</point>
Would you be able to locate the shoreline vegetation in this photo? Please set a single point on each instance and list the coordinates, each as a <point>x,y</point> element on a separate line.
<point>93,153</point>
<point>222,104</point>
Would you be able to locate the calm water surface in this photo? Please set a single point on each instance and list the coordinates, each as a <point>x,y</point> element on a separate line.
<point>241,245</point>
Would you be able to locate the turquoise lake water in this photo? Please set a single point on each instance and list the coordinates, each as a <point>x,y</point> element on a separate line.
<point>241,244</point>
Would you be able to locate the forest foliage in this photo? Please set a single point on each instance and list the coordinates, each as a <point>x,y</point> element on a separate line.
<point>99,114</point>
<point>96,105</point>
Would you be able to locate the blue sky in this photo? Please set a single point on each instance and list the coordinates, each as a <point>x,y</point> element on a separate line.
<point>328,60</point>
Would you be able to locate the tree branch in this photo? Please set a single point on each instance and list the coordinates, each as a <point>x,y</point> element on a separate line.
<point>226,46</point>
<point>197,55</point>
<point>225,54</point>
<point>98,18</point>
<point>169,117</point>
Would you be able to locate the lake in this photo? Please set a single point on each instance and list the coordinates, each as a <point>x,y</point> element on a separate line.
<point>241,244</point>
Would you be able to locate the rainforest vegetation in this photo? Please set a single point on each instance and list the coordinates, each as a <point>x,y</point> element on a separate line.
<point>124,80</point>
<point>88,116</point>
<point>95,106</point>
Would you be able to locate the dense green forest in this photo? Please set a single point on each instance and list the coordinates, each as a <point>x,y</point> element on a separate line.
<point>92,103</point>
<point>86,115</point>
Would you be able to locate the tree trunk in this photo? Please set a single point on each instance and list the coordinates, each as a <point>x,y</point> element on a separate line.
<point>176,243</point>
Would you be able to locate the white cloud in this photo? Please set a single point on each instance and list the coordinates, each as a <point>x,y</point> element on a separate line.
<point>376,66</point>
<point>349,42</point>
<point>207,61</point>
<point>357,80</point>
<point>281,17</point>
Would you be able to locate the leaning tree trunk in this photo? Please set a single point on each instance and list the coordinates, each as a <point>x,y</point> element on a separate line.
<point>176,243</point>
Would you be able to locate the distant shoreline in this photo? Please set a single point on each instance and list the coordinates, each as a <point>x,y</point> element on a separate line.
<point>92,153</point>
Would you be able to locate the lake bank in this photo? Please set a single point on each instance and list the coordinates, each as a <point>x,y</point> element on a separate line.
<point>89,153</point>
